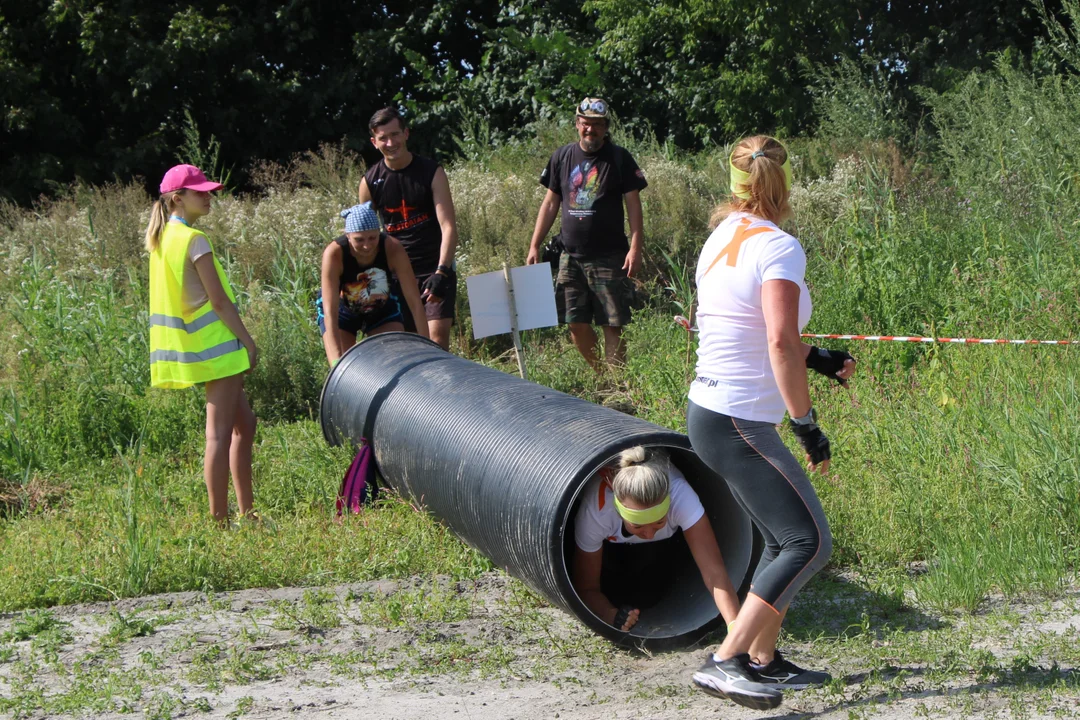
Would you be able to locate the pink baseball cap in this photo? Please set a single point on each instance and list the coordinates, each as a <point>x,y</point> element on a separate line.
<point>187,177</point>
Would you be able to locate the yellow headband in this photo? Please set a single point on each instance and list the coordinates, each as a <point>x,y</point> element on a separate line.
<point>742,179</point>
<point>646,516</point>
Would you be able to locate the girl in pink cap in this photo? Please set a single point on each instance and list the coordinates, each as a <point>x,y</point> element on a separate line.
<point>197,336</point>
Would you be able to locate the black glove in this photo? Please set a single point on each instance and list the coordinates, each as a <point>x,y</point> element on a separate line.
<point>828,362</point>
<point>622,616</point>
<point>439,285</point>
<point>812,439</point>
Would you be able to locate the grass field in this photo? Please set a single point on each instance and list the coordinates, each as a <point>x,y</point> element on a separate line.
<point>957,468</point>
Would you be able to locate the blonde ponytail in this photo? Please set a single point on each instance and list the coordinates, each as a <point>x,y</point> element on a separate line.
<point>763,158</point>
<point>631,457</point>
<point>642,477</point>
<point>159,215</point>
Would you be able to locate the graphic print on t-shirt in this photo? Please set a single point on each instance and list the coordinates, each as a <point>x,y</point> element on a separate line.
<point>368,292</point>
<point>584,184</point>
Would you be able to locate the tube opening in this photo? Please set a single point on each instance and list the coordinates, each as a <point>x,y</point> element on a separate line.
<point>681,608</point>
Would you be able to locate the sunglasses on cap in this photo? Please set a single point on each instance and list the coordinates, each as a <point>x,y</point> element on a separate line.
<point>597,106</point>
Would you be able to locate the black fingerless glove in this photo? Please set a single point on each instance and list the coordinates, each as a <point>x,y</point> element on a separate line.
<point>622,616</point>
<point>440,285</point>
<point>827,362</point>
<point>812,439</point>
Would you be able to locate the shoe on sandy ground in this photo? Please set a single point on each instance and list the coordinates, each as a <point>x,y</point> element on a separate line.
<point>736,681</point>
<point>788,675</point>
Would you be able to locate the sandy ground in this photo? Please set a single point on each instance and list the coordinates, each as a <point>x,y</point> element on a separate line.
<point>288,653</point>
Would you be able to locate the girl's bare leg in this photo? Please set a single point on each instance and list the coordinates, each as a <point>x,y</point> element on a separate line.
<point>243,438</point>
<point>222,401</point>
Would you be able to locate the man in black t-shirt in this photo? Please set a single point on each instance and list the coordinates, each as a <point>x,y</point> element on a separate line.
<point>412,195</point>
<point>589,180</point>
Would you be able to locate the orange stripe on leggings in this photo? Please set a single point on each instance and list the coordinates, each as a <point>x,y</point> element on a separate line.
<point>764,602</point>
<point>784,475</point>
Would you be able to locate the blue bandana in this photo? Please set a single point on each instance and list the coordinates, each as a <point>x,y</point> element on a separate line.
<point>360,218</point>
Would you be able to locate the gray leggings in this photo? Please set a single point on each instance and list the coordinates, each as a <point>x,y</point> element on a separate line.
<point>773,488</point>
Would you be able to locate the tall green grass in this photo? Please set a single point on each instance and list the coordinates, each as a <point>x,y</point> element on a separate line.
<point>957,468</point>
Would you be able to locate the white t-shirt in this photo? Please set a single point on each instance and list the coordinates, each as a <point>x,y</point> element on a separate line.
<point>734,375</point>
<point>597,519</point>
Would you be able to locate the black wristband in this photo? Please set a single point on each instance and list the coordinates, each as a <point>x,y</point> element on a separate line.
<point>813,441</point>
<point>444,269</point>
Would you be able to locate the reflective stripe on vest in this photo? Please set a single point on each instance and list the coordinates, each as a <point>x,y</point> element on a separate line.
<point>187,347</point>
<point>188,327</point>
<point>179,324</point>
<point>195,357</point>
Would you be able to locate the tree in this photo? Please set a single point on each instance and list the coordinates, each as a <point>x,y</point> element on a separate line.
<point>537,60</point>
<point>706,70</point>
<point>96,89</point>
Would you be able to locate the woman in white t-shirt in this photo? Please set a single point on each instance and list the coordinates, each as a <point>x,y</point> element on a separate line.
<point>624,531</point>
<point>752,367</point>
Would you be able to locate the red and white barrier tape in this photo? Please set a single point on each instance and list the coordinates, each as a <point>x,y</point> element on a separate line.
<point>961,341</point>
<point>685,324</point>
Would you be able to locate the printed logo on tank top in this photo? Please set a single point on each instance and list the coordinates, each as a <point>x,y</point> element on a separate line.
<point>369,291</point>
<point>409,217</point>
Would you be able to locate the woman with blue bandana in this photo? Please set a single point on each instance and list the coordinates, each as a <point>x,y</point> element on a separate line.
<point>357,294</point>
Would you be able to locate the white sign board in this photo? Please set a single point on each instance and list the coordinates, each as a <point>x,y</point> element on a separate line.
<point>534,300</point>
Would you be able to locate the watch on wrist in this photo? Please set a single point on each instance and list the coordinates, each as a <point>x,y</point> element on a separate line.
<point>444,270</point>
<point>809,418</point>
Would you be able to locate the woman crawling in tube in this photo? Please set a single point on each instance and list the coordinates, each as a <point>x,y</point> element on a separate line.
<point>625,531</point>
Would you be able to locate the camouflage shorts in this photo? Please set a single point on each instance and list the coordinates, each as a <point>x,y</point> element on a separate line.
<point>594,291</point>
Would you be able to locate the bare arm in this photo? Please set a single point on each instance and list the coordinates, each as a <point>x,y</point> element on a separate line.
<point>444,213</point>
<point>787,353</point>
<point>710,562</point>
<point>587,567</point>
<point>398,260</point>
<point>549,210</point>
<point>223,306</point>
<point>331,300</point>
<point>364,193</point>
<point>637,232</point>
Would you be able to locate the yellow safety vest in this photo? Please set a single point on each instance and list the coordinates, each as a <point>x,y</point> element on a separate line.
<point>187,347</point>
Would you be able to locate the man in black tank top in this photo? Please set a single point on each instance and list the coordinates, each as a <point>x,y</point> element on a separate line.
<point>412,194</point>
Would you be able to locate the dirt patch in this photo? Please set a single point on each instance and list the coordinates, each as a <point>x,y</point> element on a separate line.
<point>489,649</point>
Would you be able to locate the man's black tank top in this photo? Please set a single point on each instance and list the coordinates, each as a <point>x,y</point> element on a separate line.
<point>365,289</point>
<point>407,208</point>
